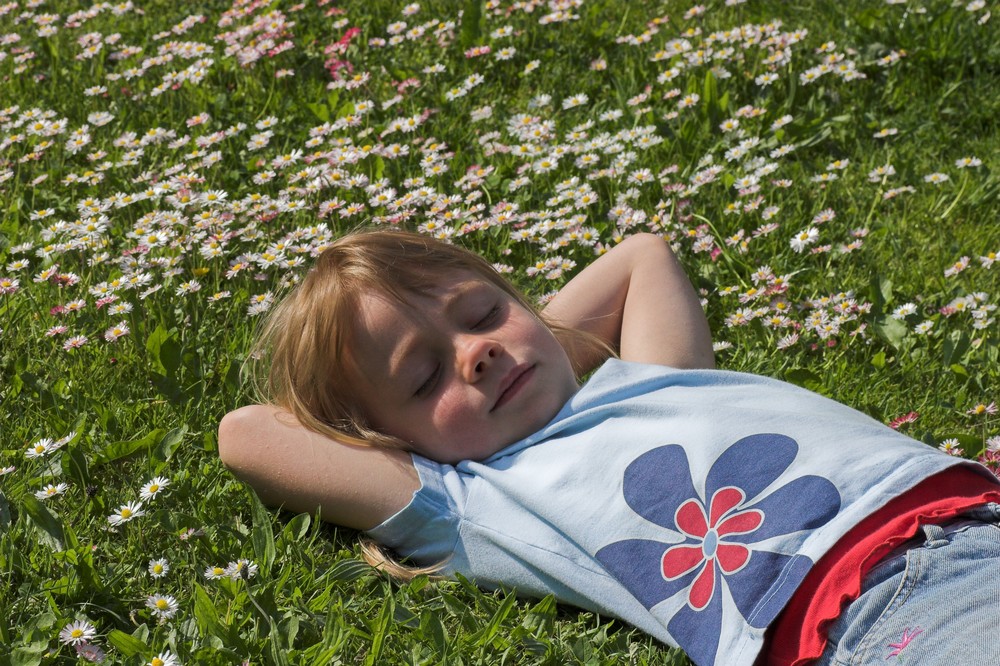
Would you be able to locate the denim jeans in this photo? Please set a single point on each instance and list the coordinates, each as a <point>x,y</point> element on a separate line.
<point>935,601</point>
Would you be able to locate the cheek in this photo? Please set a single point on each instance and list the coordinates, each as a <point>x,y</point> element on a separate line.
<point>450,415</point>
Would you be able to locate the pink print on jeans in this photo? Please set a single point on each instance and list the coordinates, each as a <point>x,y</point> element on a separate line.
<point>904,641</point>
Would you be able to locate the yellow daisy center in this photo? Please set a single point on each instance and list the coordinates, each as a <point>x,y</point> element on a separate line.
<point>156,662</point>
<point>126,513</point>
<point>153,488</point>
<point>76,633</point>
<point>162,604</point>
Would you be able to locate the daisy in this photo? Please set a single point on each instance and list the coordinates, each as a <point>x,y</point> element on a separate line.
<point>116,331</point>
<point>75,633</point>
<point>163,606</point>
<point>900,421</point>
<point>241,569</point>
<point>40,448</point>
<point>153,488</point>
<point>51,490</point>
<point>951,447</point>
<point>125,513</point>
<point>159,568</point>
<point>91,653</point>
<point>215,572</point>
<point>983,408</point>
<point>936,178</point>
<point>957,267</point>
<point>966,162</point>
<point>165,658</point>
<point>803,239</point>
<point>75,342</point>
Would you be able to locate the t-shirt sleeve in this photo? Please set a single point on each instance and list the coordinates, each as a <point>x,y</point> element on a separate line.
<point>426,529</point>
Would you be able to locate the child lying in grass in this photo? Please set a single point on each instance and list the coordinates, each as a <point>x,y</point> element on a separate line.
<point>420,398</point>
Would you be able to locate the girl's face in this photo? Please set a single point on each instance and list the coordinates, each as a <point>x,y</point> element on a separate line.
<point>459,373</point>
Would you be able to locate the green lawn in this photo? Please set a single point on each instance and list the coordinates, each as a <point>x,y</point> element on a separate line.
<point>826,170</point>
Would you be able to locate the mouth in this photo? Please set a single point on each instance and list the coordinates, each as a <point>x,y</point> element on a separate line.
<point>512,383</point>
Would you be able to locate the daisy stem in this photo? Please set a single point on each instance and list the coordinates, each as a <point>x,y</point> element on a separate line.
<point>961,191</point>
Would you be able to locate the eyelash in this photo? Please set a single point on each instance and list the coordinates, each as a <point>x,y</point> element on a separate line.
<point>425,388</point>
<point>488,319</point>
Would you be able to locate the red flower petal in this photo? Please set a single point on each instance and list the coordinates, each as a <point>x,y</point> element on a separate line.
<point>723,501</point>
<point>679,560</point>
<point>741,523</point>
<point>690,519</point>
<point>732,557</point>
<point>703,587</point>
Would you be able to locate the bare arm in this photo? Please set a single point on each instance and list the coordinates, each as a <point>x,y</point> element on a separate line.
<point>295,468</point>
<point>638,299</point>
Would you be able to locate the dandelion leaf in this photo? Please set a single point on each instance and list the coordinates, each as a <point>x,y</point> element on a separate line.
<point>262,535</point>
<point>891,330</point>
<point>164,351</point>
<point>119,450</point>
<point>129,646</point>
<point>50,529</point>
<point>472,18</point>
<point>169,443</point>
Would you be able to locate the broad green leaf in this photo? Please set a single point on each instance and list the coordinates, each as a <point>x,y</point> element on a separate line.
<point>806,379</point>
<point>4,512</point>
<point>297,527</point>
<point>348,570</point>
<point>28,656</point>
<point>491,629</point>
<point>164,351</point>
<point>206,615</point>
<point>472,16</point>
<point>891,330</point>
<point>50,529</point>
<point>333,99</point>
<point>119,450</point>
<point>262,535</point>
<point>128,645</point>
<point>955,346</point>
<point>379,631</point>
<point>321,111</point>
<point>169,443</point>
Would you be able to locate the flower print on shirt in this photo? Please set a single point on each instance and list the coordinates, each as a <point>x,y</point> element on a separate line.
<point>721,554</point>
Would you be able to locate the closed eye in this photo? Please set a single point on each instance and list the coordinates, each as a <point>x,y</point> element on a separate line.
<point>489,319</point>
<point>427,387</point>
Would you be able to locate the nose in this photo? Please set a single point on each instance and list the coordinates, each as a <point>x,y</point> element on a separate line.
<point>476,355</point>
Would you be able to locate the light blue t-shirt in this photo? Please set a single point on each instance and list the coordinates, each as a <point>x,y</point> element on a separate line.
<point>689,503</point>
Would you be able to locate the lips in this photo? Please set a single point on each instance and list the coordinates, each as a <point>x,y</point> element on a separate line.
<point>512,383</point>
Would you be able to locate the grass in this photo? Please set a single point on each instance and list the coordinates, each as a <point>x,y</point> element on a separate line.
<point>176,207</point>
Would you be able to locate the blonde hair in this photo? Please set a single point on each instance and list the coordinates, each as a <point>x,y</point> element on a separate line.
<point>305,342</point>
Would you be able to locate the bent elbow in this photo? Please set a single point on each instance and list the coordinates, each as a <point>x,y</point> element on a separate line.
<point>236,434</point>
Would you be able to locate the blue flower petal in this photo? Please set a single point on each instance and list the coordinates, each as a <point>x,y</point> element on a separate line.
<point>762,588</point>
<point>752,464</point>
<point>803,503</point>
<point>636,564</point>
<point>698,632</point>
<point>657,483</point>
